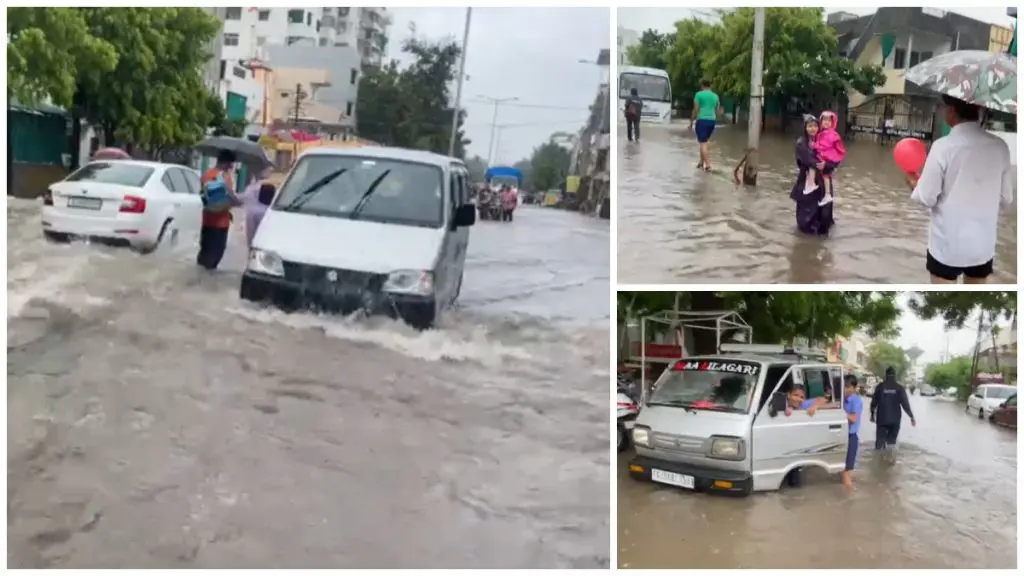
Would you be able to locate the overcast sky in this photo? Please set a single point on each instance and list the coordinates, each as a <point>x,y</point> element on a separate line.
<point>931,335</point>
<point>663,19</point>
<point>531,54</point>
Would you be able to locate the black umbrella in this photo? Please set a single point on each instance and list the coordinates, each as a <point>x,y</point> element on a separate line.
<point>247,151</point>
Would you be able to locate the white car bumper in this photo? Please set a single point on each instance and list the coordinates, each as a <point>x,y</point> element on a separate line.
<point>133,228</point>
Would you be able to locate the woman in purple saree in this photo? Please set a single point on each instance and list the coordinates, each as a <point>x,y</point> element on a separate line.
<point>811,216</point>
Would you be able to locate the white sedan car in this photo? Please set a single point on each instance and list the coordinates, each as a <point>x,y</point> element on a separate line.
<point>987,397</point>
<point>125,202</point>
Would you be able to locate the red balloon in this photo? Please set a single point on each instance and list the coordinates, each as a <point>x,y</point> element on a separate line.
<point>910,154</point>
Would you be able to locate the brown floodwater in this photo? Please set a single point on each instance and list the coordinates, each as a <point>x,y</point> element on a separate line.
<point>676,224</point>
<point>948,501</point>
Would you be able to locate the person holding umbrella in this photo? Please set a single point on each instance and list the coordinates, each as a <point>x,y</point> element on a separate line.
<point>213,237</point>
<point>968,175</point>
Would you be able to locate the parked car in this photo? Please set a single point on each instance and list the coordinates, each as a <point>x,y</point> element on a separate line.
<point>125,202</point>
<point>927,391</point>
<point>987,397</point>
<point>1006,413</point>
<point>407,212</point>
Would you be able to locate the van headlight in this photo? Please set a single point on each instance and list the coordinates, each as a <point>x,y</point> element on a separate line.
<point>642,436</point>
<point>410,282</point>
<point>727,448</point>
<point>264,262</point>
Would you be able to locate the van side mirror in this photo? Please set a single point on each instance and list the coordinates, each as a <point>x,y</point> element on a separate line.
<point>777,404</point>
<point>465,215</point>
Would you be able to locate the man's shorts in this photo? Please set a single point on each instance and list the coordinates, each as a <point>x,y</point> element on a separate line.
<point>851,451</point>
<point>952,273</point>
<point>886,435</point>
<point>704,129</point>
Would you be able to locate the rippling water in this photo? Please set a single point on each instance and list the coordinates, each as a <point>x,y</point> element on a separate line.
<point>154,420</point>
<point>676,224</point>
<point>949,501</point>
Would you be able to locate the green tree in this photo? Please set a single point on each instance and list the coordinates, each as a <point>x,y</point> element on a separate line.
<point>777,317</point>
<point>548,166</point>
<point>953,374</point>
<point>883,354</point>
<point>154,98</point>
<point>477,168</point>
<point>650,50</point>
<point>47,49</point>
<point>411,107</point>
<point>687,58</point>
<point>956,308</point>
<point>801,57</point>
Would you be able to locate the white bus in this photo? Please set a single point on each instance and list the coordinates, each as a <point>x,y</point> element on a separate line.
<point>653,86</point>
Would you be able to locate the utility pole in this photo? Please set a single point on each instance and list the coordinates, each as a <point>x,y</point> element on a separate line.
<point>494,123</point>
<point>458,86</point>
<point>299,97</point>
<point>756,99</point>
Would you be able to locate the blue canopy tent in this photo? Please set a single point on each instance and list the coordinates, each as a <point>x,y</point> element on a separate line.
<point>504,174</point>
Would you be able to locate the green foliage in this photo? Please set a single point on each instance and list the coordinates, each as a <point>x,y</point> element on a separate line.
<point>410,107</point>
<point>801,56</point>
<point>781,317</point>
<point>953,374</point>
<point>956,308</point>
<point>136,72</point>
<point>548,166</point>
<point>477,168</point>
<point>882,354</point>
<point>650,50</point>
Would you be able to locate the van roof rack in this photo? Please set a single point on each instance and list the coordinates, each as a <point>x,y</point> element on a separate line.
<point>779,350</point>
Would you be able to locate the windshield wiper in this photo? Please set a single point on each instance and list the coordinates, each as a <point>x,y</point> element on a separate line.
<point>674,404</point>
<point>354,215</point>
<point>304,196</point>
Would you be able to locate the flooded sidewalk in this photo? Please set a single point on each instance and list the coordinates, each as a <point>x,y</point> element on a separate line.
<point>677,224</point>
<point>948,501</point>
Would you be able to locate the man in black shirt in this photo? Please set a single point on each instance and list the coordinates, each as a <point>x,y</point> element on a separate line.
<point>887,406</point>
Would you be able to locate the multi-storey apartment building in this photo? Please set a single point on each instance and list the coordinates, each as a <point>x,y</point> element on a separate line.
<point>365,29</point>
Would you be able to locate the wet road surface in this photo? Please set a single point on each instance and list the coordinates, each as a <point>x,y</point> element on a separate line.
<point>676,224</point>
<point>949,501</point>
<point>155,421</point>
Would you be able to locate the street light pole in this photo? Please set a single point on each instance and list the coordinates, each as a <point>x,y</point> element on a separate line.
<point>458,85</point>
<point>494,123</point>
<point>756,99</point>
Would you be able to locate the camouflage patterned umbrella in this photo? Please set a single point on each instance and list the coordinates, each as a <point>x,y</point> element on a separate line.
<point>988,79</point>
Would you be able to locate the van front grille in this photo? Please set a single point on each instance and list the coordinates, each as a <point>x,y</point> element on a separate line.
<point>678,443</point>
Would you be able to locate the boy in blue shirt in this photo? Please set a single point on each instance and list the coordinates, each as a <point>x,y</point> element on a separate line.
<point>853,405</point>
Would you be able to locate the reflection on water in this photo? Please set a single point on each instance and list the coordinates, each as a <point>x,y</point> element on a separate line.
<point>677,224</point>
<point>949,501</point>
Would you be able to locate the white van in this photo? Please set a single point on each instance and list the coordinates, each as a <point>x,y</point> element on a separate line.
<point>379,229</point>
<point>718,423</point>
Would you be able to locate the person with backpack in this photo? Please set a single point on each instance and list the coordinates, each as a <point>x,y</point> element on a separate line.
<point>218,195</point>
<point>634,106</point>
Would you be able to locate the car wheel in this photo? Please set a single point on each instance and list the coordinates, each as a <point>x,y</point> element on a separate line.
<point>981,413</point>
<point>159,239</point>
<point>56,236</point>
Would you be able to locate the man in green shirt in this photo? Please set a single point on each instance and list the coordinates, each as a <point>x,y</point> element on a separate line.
<point>706,108</point>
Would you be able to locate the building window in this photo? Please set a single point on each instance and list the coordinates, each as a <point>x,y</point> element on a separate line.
<point>343,12</point>
<point>341,44</point>
<point>264,15</point>
<point>353,76</point>
<point>223,68</point>
<point>348,109</point>
<point>317,25</point>
<point>899,59</point>
<point>295,16</point>
<point>286,94</point>
<point>323,41</point>
<point>309,18</point>
<point>240,72</point>
<point>918,57</point>
<point>261,40</point>
<point>231,39</point>
<point>232,13</point>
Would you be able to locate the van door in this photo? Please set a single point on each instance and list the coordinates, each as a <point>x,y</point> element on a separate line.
<point>462,232</point>
<point>456,238</point>
<point>782,443</point>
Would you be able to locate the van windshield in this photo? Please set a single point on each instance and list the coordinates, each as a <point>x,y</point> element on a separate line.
<point>722,385</point>
<point>364,188</point>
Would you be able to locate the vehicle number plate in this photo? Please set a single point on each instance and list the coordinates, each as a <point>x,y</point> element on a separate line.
<point>681,480</point>
<point>84,203</point>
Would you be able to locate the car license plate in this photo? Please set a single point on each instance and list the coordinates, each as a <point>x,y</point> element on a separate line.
<point>681,480</point>
<point>84,203</point>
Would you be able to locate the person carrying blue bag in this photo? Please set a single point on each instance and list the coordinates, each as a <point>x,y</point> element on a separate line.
<point>218,196</point>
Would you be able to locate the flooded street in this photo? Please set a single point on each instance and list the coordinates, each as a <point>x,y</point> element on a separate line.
<point>680,225</point>
<point>949,501</point>
<point>156,421</point>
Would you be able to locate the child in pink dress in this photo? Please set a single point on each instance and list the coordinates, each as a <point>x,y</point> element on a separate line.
<point>831,151</point>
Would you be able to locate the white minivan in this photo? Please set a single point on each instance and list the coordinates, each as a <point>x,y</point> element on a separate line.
<point>718,423</point>
<point>379,229</point>
<point>987,397</point>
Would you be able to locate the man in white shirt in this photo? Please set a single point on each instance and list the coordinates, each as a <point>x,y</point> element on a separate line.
<point>966,179</point>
